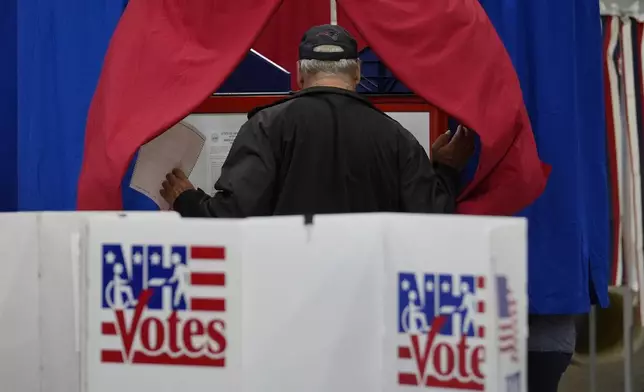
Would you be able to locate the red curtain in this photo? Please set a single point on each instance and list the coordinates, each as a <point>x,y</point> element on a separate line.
<point>280,38</point>
<point>347,23</point>
<point>449,53</point>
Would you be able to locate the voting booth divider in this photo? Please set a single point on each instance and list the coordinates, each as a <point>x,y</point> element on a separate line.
<point>99,302</point>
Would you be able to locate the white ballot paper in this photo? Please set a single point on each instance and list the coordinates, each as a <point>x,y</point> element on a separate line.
<point>178,147</point>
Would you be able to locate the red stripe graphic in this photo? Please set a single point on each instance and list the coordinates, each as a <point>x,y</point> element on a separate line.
<point>453,384</point>
<point>111,356</point>
<point>404,352</point>
<point>208,252</point>
<point>208,304</point>
<point>108,329</point>
<point>115,356</point>
<point>407,379</point>
<point>410,379</point>
<point>208,279</point>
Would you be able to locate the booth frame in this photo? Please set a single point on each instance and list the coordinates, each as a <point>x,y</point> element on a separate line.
<point>244,103</point>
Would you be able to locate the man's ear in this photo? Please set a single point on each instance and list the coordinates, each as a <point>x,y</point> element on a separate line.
<point>300,78</point>
<point>358,74</point>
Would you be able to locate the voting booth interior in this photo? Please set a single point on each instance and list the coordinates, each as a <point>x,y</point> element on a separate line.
<point>99,302</point>
<point>258,81</point>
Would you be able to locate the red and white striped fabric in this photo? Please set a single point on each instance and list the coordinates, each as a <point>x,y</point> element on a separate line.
<point>624,89</point>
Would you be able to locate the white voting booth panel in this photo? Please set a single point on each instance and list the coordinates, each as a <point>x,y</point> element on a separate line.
<point>364,302</point>
<point>19,327</point>
<point>59,292</point>
<point>456,303</point>
<point>40,299</point>
<point>354,302</point>
<point>312,297</point>
<point>139,331</point>
<point>220,131</point>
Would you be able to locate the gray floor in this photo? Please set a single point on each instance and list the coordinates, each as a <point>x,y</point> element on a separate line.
<point>609,377</point>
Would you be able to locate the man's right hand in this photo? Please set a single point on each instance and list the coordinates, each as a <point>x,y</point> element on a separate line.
<point>455,152</point>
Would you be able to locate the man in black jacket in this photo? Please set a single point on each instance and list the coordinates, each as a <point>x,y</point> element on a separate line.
<point>326,149</point>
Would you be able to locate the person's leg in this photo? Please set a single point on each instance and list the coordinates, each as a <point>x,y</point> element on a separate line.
<point>551,343</point>
<point>545,370</point>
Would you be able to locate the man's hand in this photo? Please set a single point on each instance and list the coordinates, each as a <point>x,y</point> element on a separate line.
<point>455,152</point>
<point>175,184</point>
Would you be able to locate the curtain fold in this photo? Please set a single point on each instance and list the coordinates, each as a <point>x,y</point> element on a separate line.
<point>61,45</point>
<point>8,105</point>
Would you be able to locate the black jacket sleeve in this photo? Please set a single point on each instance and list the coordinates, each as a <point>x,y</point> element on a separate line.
<point>425,187</point>
<point>246,184</point>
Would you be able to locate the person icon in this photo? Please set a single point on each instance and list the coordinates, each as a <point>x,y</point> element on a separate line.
<point>181,275</point>
<point>119,287</point>
<point>416,315</point>
<point>467,307</point>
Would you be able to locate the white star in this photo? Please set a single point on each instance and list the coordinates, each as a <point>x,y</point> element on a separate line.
<point>138,258</point>
<point>412,296</point>
<point>176,258</point>
<point>405,285</point>
<point>429,286</point>
<point>445,287</point>
<point>465,288</point>
<point>155,258</point>
<point>110,257</point>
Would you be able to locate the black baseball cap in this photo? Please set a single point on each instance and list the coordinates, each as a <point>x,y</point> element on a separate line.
<point>328,35</point>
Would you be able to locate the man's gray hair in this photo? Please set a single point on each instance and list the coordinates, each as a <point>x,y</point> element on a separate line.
<point>340,67</point>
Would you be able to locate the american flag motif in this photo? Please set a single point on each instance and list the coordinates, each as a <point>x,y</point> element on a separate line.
<point>159,282</point>
<point>436,312</point>
<point>508,320</point>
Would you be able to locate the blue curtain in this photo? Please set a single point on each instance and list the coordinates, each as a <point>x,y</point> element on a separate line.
<point>8,106</point>
<point>556,48</point>
<point>60,52</point>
